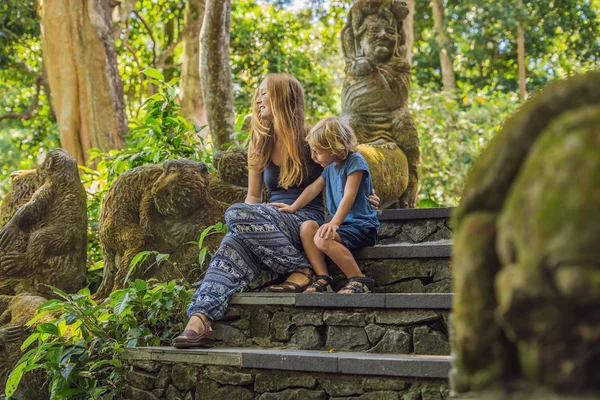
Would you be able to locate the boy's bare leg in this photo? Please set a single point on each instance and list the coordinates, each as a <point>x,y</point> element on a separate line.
<point>308,230</point>
<point>340,255</point>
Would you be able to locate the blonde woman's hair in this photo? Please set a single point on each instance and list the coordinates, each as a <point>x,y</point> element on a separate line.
<point>287,106</point>
<point>334,136</point>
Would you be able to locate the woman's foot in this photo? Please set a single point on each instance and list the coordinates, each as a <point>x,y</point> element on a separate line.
<point>358,284</point>
<point>322,284</point>
<point>295,283</point>
<point>197,333</point>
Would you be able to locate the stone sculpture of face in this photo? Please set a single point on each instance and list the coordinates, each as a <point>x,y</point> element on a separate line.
<point>379,39</point>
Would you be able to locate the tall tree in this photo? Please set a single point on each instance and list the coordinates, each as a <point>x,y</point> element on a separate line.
<point>215,71</point>
<point>448,78</point>
<point>521,53</point>
<point>409,29</point>
<point>80,59</point>
<point>192,101</point>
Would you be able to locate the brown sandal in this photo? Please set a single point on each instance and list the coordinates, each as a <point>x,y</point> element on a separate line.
<point>292,287</point>
<point>190,338</point>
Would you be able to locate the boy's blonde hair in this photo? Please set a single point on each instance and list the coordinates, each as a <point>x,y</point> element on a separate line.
<point>334,136</point>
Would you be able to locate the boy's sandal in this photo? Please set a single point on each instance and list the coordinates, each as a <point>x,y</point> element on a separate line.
<point>321,284</point>
<point>293,287</point>
<point>190,338</point>
<point>359,284</point>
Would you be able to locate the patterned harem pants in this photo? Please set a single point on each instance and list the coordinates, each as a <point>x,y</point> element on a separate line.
<point>260,236</point>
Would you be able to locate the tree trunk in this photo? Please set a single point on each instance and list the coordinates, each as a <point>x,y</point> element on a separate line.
<point>192,101</point>
<point>448,79</point>
<point>521,56</point>
<point>215,71</point>
<point>409,30</point>
<point>80,59</point>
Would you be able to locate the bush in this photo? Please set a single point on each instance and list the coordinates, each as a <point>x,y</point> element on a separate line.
<point>80,347</point>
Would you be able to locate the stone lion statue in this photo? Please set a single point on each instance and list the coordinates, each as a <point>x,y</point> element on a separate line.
<point>44,237</point>
<point>526,258</point>
<point>156,208</point>
<point>375,94</point>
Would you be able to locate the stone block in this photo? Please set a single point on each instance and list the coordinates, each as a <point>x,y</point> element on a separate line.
<point>419,300</point>
<point>334,300</point>
<point>346,338</point>
<point>280,326</point>
<point>189,396</point>
<point>442,286</point>
<point>444,233</point>
<point>260,323</point>
<point>386,272</point>
<point>307,338</point>
<point>241,324</point>
<point>139,394</point>
<point>342,386</point>
<point>429,341</point>
<point>206,388</point>
<point>274,381</point>
<point>373,384</point>
<point>160,393</point>
<point>184,377</point>
<point>173,393</point>
<point>342,318</point>
<point>395,341</point>
<point>411,286</point>
<point>141,379</point>
<point>232,393</point>
<point>164,377</point>
<point>419,230</point>
<point>229,334</point>
<point>314,318</point>
<point>380,395</point>
<point>374,333</point>
<point>295,394</point>
<point>149,366</point>
<point>405,318</point>
<point>431,394</point>
<point>228,375</point>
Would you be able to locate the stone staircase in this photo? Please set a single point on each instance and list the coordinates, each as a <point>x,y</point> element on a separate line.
<point>390,344</point>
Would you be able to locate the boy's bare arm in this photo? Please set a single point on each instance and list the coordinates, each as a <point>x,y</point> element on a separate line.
<point>307,195</point>
<point>350,190</point>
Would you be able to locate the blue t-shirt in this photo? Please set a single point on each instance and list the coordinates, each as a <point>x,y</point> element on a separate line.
<point>335,176</point>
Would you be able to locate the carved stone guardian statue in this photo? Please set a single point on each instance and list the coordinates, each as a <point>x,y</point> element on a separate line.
<point>157,208</point>
<point>526,257</point>
<point>375,94</point>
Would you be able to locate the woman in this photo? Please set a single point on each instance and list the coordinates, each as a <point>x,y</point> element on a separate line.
<point>259,234</point>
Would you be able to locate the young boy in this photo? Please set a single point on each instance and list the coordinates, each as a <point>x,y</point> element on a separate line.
<point>354,224</point>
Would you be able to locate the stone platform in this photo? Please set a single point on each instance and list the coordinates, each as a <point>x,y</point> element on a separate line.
<point>230,373</point>
<point>374,323</point>
<point>390,344</point>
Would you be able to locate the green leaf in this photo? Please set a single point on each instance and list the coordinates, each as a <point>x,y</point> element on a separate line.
<point>14,379</point>
<point>162,257</point>
<point>122,304</point>
<point>48,328</point>
<point>154,73</point>
<point>32,338</point>
<point>202,256</point>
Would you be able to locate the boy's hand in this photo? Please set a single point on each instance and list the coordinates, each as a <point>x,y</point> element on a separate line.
<point>286,208</point>
<point>328,230</point>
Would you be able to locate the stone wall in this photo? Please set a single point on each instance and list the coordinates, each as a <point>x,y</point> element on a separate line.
<point>158,381</point>
<point>389,331</point>
<point>414,231</point>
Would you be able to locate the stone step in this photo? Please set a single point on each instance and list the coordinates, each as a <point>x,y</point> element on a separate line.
<point>370,323</point>
<point>417,225</point>
<point>437,249</point>
<point>255,373</point>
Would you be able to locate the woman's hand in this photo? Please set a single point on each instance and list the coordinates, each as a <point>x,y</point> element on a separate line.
<point>327,231</point>
<point>286,208</point>
<point>374,200</point>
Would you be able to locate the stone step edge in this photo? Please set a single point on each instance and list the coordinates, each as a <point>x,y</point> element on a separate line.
<point>400,214</point>
<point>300,360</point>
<point>438,249</point>
<point>423,301</point>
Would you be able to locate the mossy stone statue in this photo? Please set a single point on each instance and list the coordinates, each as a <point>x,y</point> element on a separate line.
<point>526,260</point>
<point>375,94</point>
<point>157,208</point>
<point>44,237</point>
